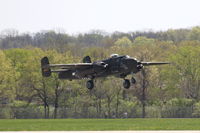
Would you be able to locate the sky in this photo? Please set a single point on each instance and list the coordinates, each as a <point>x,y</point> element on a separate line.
<point>81,16</point>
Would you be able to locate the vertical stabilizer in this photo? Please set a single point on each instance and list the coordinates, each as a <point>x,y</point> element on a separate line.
<point>46,71</point>
<point>87,59</point>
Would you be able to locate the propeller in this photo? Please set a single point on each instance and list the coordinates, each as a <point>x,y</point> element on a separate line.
<point>139,65</point>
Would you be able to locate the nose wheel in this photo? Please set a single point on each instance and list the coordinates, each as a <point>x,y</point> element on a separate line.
<point>90,84</point>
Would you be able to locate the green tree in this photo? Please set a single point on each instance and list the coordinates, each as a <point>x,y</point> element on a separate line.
<point>186,66</point>
<point>123,42</point>
<point>195,33</point>
<point>7,87</point>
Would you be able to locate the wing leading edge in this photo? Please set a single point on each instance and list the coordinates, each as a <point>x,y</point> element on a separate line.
<point>154,63</point>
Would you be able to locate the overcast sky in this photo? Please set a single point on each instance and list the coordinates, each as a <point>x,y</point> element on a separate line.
<point>78,16</point>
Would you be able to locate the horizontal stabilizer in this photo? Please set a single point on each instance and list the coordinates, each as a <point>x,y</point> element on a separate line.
<point>48,68</point>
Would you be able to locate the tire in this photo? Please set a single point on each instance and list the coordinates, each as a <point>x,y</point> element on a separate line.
<point>90,84</point>
<point>126,84</point>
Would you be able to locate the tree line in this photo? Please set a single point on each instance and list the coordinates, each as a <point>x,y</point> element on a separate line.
<point>161,91</point>
<point>62,41</point>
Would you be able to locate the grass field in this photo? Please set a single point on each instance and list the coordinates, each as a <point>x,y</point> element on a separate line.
<point>97,124</point>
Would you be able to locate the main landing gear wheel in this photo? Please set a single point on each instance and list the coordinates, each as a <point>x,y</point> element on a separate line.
<point>126,84</point>
<point>133,81</point>
<point>90,84</point>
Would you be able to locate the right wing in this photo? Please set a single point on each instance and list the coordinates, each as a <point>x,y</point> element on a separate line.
<point>71,66</point>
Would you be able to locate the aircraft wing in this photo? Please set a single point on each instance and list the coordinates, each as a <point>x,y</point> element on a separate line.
<point>71,66</point>
<point>154,63</point>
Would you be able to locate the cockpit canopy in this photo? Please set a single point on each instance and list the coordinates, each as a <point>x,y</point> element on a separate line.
<point>114,55</point>
<point>127,56</point>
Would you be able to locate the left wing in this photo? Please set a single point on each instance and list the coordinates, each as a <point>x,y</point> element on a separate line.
<point>154,63</point>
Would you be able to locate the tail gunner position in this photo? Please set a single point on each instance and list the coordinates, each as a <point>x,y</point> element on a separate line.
<point>119,66</point>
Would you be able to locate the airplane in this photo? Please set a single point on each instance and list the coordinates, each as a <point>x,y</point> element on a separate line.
<point>117,65</point>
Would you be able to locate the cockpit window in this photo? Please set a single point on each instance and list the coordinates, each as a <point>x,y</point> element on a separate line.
<point>127,56</point>
<point>114,55</point>
<point>102,63</point>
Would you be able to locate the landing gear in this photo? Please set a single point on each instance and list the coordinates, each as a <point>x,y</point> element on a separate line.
<point>90,84</point>
<point>133,81</point>
<point>126,84</point>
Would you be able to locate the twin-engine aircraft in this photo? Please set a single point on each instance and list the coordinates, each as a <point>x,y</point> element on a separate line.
<point>119,66</point>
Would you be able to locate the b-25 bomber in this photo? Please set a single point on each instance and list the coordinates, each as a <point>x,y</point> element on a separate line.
<point>116,65</point>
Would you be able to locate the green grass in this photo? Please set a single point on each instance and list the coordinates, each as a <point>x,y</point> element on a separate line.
<point>97,124</point>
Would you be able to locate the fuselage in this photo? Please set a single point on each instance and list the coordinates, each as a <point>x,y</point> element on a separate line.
<point>119,66</point>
